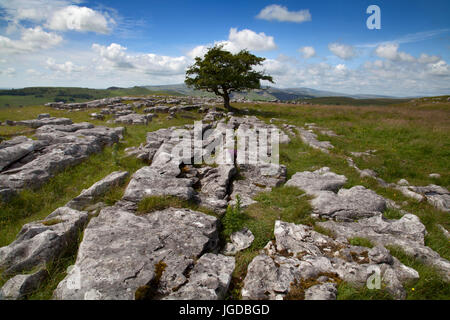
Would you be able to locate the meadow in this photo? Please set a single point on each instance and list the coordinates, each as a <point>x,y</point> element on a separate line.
<point>411,139</point>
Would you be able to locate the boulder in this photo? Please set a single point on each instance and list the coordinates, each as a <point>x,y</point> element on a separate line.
<point>42,241</point>
<point>15,149</point>
<point>240,240</point>
<point>348,204</point>
<point>21,285</point>
<point>300,256</point>
<point>319,180</point>
<point>408,233</point>
<point>208,280</point>
<point>122,253</point>
<point>88,196</point>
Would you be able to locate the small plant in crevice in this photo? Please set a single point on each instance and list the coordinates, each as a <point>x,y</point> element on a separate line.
<point>233,220</point>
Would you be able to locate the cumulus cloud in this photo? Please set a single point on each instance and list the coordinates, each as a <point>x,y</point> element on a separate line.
<point>390,51</point>
<point>280,13</point>
<point>67,67</point>
<point>237,41</point>
<point>307,52</point>
<point>32,39</point>
<point>342,51</point>
<point>115,57</point>
<point>58,15</point>
<point>79,19</point>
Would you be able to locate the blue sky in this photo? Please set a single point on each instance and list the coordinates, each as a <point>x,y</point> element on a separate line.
<point>317,44</point>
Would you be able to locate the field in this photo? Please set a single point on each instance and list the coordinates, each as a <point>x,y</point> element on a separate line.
<point>411,139</point>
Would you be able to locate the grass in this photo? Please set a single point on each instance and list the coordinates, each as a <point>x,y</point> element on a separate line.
<point>362,242</point>
<point>411,139</point>
<point>430,284</point>
<point>157,203</point>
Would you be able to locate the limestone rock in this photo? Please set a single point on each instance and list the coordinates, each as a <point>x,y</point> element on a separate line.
<point>300,254</point>
<point>42,241</point>
<point>208,280</point>
<point>119,252</point>
<point>348,204</point>
<point>19,286</point>
<point>319,180</point>
<point>408,233</point>
<point>98,189</point>
<point>240,240</point>
<point>325,291</point>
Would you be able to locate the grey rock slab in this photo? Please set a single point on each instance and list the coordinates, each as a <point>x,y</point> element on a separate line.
<point>15,149</point>
<point>98,189</point>
<point>299,253</point>
<point>348,204</point>
<point>324,291</point>
<point>408,233</point>
<point>149,181</point>
<point>310,138</point>
<point>319,180</point>
<point>208,280</point>
<point>36,123</point>
<point>119,252</point>
<point>19,286</point>
<point>240,240</point>
<point>42,241</point>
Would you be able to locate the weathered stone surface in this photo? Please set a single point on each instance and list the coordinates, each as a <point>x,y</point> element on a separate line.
<point>134,118</point>
<point>310,138</point>
<point>240,240</point>
<point>215,184</point>
<point>319,180</point>
<point>256,179</point>
<point>408,233</point>
<point>119,252</point>
<point>19,286</point>
<point>15,149</point>
<point>43,116</point>
<point>300,254</point>
<point>42,241</point>
<point>324,291</point>
<point>208,280</point>
<point>437,196</point>
<point>57,147</point>
<point>348,204</point>
<point>98,189</point>
<point>36,123</point>
<point>149,181</point>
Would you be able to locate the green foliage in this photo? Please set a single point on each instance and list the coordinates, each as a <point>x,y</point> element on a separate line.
<point>347,291</point>
<point>222,72</point>
<point>362,242</point>
<point>233,219</point>
<point>430,284</point>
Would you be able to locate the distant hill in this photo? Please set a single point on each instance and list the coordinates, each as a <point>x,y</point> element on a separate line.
<point>266,93</point>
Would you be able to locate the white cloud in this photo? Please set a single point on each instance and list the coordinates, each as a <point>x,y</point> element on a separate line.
<point>307,52</point>
<point>237,41</point>
<point>59,15</point>
<point>425,58</point>
<point>115,57</point>
<point>79,19</point>
<point>67,67</point>
<point>342,51</point>
<point>8,72</point>
<point>32,39</point>
<point>250,40</point>
<point>280,13</point>
<point>390,51</point>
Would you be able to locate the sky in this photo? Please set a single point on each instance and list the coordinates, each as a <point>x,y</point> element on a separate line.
<point>324,45</point>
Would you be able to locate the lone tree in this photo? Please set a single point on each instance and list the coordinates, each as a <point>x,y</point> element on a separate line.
<point>222,72</point>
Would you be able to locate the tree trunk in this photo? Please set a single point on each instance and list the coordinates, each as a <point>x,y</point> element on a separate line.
<point>226,101</point>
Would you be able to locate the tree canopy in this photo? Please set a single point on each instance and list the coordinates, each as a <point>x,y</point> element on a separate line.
<point>222,72</point>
